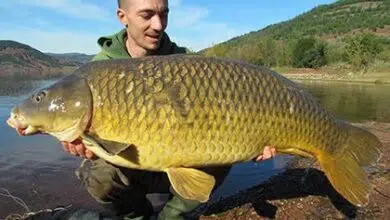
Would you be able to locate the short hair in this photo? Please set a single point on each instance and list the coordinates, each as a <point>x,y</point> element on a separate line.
<point>120,3</point>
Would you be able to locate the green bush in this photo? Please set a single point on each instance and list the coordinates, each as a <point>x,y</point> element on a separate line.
<point>251,53</point>
<point>361,49</point>
<point>310,53</point>
<point>334,52</point>
<point>384,55</point>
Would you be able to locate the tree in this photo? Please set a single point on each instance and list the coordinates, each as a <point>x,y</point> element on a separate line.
<point>335,52</point>
<point>284,52</point>
<point>361,50</point>
<point>309,52</point>
<point>251,53</point>
<point>217,51</point>
<point>269,52</point>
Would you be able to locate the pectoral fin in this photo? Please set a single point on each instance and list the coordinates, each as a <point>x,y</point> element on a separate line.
<point>109,147</point>
<point>191,183</point>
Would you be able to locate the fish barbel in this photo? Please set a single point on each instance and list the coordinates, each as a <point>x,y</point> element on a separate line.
<point>181,112</point>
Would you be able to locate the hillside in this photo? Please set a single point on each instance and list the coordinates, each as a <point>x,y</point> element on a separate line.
<point>20,61</point>
<point>71,57</point>
<point>339,18</point>
<point>331,26</point>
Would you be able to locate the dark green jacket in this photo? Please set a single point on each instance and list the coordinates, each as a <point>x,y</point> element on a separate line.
<point>113,47</point>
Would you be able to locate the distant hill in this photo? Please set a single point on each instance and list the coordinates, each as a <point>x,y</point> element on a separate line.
<point>339,18</point>
<point>332,23</point>
<point>20,61</point>
<point>72,57</point>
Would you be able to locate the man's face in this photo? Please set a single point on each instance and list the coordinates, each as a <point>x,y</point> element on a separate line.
<point>146,20</point>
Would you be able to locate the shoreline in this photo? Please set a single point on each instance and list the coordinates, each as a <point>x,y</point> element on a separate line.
<point>335,75</point>
<point>330,78</point>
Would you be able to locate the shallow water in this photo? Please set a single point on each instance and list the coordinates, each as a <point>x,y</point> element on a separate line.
<point>36,169</point>
<point>353,101</point>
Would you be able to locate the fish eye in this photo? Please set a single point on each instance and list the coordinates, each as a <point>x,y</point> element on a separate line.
<point>39,96</point>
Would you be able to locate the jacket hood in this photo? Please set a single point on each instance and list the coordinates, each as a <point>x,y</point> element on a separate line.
<point>114,46</point>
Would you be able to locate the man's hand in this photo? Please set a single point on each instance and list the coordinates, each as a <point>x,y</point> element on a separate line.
<point>77,148</point>
<point>268,153</point>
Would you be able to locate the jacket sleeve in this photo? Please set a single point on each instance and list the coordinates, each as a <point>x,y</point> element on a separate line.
<point>101,56</point>
<point>177,50</point>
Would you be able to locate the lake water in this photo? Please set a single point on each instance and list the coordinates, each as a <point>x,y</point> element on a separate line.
<point>37,170</point>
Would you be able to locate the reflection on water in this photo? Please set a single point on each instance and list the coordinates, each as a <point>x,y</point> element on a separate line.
<point>37,170</point>
<point>250,174</point>
<point>353,101</point>
<point>19,88</point>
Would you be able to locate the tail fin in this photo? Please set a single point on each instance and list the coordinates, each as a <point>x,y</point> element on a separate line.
<point>345,170</point>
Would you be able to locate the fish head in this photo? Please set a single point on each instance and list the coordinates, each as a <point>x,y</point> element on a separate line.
<point>62,110</point>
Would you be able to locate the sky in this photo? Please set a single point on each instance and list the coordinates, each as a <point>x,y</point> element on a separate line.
<point>64,26</point>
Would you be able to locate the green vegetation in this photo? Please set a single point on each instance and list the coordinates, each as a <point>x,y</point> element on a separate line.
<point>354,33</point>
<point>20,62</point>
<point>309,52</point>
<point>361,50</point>
<point>10,59</point>
<point>78,58</point>
<point>33,54</point>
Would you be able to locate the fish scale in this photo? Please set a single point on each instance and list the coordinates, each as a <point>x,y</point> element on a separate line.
<point>177,113</point>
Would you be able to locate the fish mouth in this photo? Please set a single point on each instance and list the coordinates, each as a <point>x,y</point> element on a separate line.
<point>15,121</point>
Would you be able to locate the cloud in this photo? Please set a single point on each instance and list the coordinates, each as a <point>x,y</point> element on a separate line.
<point>55,41</point>
<point>204,34</point>
<point>193,27</point>
<point>182,17</point>
<point>73,8</point>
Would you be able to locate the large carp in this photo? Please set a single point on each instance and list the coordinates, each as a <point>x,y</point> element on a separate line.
<point>178,113</point>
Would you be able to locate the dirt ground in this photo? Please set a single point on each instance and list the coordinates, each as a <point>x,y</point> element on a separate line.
<point>303,192</point>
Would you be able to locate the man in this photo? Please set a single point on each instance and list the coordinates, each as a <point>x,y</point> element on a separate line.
<point>124,190</point>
